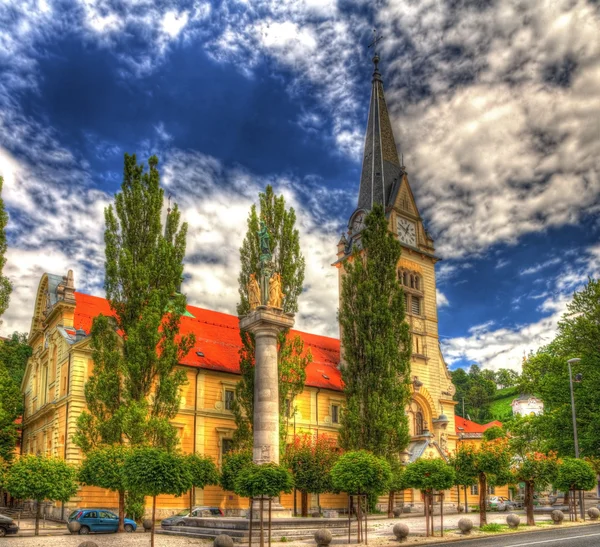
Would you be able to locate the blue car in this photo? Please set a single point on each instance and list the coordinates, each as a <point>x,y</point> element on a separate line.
<point>99,521</point>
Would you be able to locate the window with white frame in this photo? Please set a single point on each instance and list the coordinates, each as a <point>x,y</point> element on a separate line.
<point>475,489</point>
<point>229,397</point>
<point>335,414</point>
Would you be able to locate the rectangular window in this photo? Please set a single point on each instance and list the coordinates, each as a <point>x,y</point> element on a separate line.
<point>335,414</point>
<point>229,396</point>
<point>415,305</point>
<point>492,490</point>
<point>226,446</point>
<point>475,489</point>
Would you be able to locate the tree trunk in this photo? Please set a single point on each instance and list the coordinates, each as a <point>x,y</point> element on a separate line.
<point>304,503</point>
<point>391,497</point>
<point>529,503</point>
<point>121,511</point>
<point>482,496</point>
<point>566,498</point>
<point>153,519</point>
<point>38,514</point>
<point>466,500</point>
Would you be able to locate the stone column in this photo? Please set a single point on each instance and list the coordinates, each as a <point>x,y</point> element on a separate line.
<point>266,323</point>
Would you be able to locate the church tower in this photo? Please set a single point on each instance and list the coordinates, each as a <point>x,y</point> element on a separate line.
<point>384,180</point>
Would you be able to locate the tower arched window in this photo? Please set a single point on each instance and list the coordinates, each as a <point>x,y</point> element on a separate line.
<point>413,291</point>
<point>419,423</point>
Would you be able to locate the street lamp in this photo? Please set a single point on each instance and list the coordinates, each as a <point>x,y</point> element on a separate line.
<point>578,378</point>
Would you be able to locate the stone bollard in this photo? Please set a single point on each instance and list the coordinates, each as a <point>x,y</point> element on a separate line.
<point>323,537</point>
<point>465,526</point>
<point>147,524</point>
<point>594,513</point>
<point>400,531</point>
<point>223,540</point>
<point>397,511</point>
<point>88,544</point>
<point>557,516</point>
<point>513,520</point>
<point>74,527</point>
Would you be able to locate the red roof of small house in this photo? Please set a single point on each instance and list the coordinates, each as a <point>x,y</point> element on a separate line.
<point>218,339</point>
<point>467,426</point>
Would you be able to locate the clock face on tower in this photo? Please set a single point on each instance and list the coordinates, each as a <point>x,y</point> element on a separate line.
<point>358,223</point>
<point>407,232</point>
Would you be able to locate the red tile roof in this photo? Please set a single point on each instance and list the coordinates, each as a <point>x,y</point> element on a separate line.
<point>218,338</point>
<point>467,426</point>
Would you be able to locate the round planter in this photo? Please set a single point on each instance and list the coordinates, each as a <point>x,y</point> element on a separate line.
<point>557,516</point>
<point>513,520</point>
<point>323,537</point>
<point>223,540</point>
<point>147,524</point>
<point>397,511</point>
<point>594,513</point>
<point>74,527</point>
<point>400,531</point>
<point>465,526</point>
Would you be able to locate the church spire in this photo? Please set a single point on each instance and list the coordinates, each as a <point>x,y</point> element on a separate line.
<point>381,166</point>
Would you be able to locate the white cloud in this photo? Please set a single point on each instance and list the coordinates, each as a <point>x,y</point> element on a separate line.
<point>441,299</point>
<point>173,22</point>
<point>506,347</point>
<point>538,267</point>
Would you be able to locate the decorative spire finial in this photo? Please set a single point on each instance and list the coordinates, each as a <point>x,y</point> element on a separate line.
<point>373,44</point>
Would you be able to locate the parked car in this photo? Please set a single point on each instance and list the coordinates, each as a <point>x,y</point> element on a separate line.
<point>99,521</point>
<point>7,526</point>
<point>202,511</point>
<point>500,503</point>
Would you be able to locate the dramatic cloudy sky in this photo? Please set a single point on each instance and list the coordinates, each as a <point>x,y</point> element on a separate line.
<point>494,104</point>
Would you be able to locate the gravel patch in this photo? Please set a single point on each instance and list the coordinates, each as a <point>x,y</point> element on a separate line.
<point>103,540</point>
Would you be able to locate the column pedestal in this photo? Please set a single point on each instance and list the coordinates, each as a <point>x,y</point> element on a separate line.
<point>266,323</point>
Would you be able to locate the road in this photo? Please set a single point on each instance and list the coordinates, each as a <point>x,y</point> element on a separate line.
<point>584,536</point>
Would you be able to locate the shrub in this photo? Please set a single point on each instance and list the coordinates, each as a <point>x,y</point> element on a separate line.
<point>574,474</point>
<point>268,480</point>
<point>233,463</point>
<point>492,527</point>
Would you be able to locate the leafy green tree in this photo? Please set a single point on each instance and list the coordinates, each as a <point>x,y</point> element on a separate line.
<point>477,388</point>
<point>14,354</point>
<point>506,377</point>
<point>39,478</point>
<point>575,474</point>
<point>154,471</point>
<point>536,470</point>
<point>428,475</point>
<point>465,473</point>
<point>103,467</point>
<point>490,464</point>
<point>545,373</point>
<point>289,262</point>
<point>134,390</point>
<point>203,471</point>
<point>266,480</point>
<point>376,344</point>
<point>310,460</point>
<point>5,285</point>
<point>233,464</point>
<point>397,483</point>
<point>495,432</point>
<point>361,472</point>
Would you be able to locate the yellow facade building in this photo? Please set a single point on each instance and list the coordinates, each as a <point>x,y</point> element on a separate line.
<point>54,381</point>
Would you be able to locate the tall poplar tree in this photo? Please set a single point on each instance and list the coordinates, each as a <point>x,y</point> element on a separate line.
<point>288,261</point>
<point>134,390</point>
<point>5,286</point>
<point>376,344</point>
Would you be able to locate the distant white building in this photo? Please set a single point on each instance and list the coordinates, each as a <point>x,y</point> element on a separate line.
<point>527,405</point>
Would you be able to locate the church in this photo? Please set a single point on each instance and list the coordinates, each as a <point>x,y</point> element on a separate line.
<point>53,386</point>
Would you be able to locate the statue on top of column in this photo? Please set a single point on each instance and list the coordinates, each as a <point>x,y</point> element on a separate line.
<point>264,239</point>
<point>253,292</point>
<point>276,295</point>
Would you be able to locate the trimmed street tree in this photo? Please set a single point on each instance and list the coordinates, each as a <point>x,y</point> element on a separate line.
<point>288,261</point>
<point>103,467</point>
<point>310,460</point>
<point>428,475</point>
<point>361,473</point>
<point>536,470</point>
<point>268,480</point>
<point>574,474</point>
<point>204,473</point>
<point>397,483</point>
<point>153,471</point>
<point>233,463</point>
<point>465,473</point>
<point>490,463</point>
<point>39,478</point>
<point>134,390</point>
<point>376,344</point>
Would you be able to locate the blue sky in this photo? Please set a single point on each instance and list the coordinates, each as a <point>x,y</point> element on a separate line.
<point>494,106</point>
